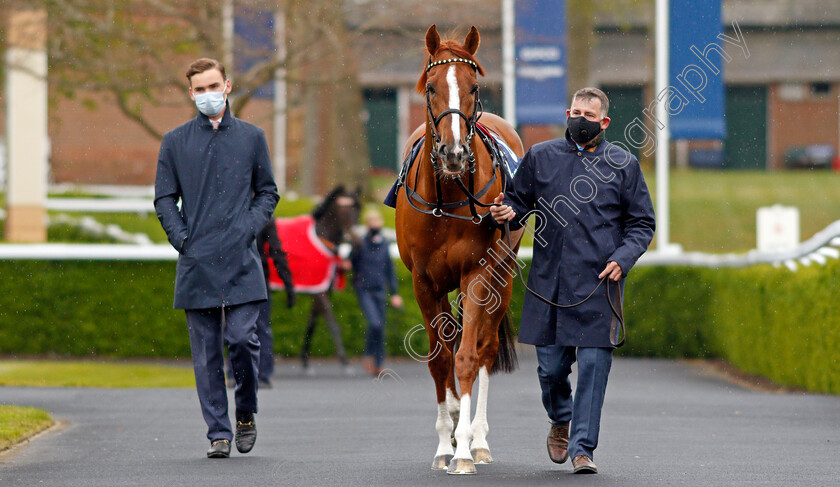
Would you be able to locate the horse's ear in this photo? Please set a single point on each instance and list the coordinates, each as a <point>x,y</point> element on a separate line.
<point>432,39</point>
<point>472,41</point>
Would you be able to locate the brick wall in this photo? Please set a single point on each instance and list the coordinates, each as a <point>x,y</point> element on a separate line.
<point>100,145</point>
<point>797,117</point>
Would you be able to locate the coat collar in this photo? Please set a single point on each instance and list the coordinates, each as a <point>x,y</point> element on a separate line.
<point>571,146</point>
<point>227,119</point>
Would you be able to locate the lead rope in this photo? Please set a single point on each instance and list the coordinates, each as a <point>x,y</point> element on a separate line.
<point>622,332</point>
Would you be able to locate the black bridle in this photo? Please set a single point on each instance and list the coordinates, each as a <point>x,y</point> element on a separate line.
<point>478,109</point>
<point>438,208</point>
<point>617,330</point>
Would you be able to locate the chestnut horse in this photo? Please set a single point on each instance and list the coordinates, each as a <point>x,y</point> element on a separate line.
<point>448,245</point>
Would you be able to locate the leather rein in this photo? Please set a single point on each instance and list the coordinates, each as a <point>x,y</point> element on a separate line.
<point>472,198</point>
<point>439,208</point>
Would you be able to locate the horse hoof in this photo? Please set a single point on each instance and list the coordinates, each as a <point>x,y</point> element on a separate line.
<point>441,462</point>
<point>461,466</point>
<point>481,455</point>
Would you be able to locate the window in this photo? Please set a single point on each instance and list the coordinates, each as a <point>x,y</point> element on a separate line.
<point>820,89</point>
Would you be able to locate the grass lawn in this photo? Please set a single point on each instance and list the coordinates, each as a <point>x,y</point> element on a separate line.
<point>82,373</point>
<point>714,211</point>
<point>711,211</point>
<point>20,423</point>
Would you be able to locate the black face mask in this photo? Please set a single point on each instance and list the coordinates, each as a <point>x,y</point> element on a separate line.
<point>374,231</point>
<point>582,130</point>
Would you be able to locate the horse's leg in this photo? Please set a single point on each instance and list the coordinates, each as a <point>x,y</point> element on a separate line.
<point>310,330</point>
<point>495,303</point>
<point>488,347</point>
<point>332,324</point>
<point>453,401</point>
<point>466,370</point>
<point>440,366</point>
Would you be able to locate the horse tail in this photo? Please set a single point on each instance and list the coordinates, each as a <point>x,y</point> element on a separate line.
<point>506,360</point>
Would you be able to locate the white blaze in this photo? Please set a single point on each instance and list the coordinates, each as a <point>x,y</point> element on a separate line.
<point>454,103</point>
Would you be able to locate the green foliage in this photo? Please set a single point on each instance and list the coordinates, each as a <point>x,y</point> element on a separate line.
<point>114,308</point>
<point>289,325</point>
<point>765,321</point>
<point>124,309</point>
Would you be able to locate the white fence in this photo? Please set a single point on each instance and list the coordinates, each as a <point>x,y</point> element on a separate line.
<point>817,249</point>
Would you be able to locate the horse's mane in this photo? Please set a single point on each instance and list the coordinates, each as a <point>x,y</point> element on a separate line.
<point>455,48</point>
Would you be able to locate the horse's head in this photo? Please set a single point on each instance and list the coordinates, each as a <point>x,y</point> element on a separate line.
<point>449,82</point>
<point>337,214</point>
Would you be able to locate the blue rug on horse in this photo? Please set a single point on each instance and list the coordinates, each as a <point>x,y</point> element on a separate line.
<point>498,145</point>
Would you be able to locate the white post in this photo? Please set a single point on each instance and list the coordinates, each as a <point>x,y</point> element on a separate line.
<point>509,61</point>
<point>280,100</point>
<point>404,131</point>
<point>664,139</point>
<point>26,126</point>
<point>228,33</point>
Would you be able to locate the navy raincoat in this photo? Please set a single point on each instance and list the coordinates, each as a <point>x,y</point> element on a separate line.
<point>224,182</point>
<point>593,207</point>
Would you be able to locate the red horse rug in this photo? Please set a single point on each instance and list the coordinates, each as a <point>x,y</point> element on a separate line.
<point>312,262</point>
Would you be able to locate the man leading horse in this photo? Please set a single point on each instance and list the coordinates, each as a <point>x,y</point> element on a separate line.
<point>594,219</point>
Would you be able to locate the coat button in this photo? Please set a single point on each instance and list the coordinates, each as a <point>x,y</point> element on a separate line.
<point>578,153</point>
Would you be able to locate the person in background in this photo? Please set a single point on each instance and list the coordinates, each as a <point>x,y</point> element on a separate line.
<point>373,274</point>
<point>269,246</point>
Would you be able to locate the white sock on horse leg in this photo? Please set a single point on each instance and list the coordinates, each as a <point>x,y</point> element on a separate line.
<point>480,428</point>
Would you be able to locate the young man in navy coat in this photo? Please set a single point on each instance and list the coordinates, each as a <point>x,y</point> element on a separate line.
<point>594,219</point>
<point>219,168</point>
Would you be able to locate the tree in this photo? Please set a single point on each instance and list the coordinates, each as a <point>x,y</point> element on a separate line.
<point>581,17</point>
<point>135,51</point>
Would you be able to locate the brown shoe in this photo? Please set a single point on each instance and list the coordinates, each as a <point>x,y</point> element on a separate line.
<point>583,464</point>
<point>558,443</point>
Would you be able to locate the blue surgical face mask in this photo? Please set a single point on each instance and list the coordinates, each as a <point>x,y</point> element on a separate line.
<point>210,103</point>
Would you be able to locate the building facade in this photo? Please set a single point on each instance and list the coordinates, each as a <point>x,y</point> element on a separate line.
<point>782,102</point>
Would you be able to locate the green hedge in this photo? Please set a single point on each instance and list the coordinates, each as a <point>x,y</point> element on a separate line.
<point>124,309</point>
<point>766,321</point>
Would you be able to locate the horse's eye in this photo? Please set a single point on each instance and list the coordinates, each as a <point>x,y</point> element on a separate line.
<point>430,89</point>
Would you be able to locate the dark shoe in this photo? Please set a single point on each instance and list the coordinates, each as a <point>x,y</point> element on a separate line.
<point>583,464</point>
<point>558,443</point>
<point>219,449</point>
<point>246,432</point>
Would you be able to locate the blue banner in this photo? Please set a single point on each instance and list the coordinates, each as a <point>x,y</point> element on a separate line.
<point>254,32</point>
<point>541,62</point>
<point>696,106</point>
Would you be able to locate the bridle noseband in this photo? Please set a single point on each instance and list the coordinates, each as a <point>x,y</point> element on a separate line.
<point>617,330</point>
<point>434,121</point>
